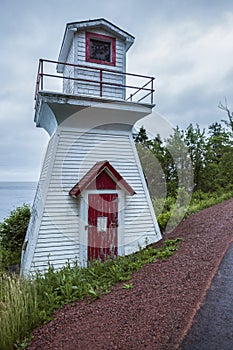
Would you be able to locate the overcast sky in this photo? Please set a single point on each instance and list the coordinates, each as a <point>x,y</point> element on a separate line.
<point>186,44</point>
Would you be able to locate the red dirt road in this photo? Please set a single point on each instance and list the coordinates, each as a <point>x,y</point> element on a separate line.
<point>158,311</point>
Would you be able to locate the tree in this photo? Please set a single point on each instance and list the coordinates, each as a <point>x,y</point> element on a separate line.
<point>142,137</point>
<point>226,170</point>
<point>166,164</point>
<point>218,143</point>
<point>180,167</point>
<point>229,122</point>
<point>12,233</point>
<point>151,154</point>
<point>195,140</point>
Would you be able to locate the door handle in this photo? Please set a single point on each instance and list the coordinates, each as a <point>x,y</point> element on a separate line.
<point>89,226</point>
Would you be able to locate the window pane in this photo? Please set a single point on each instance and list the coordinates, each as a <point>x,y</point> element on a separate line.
<point>100,50</point>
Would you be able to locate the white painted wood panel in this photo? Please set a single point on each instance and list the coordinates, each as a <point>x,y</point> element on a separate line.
<point>68,84</point>
<point>75,153</point>
<point>91,88</point>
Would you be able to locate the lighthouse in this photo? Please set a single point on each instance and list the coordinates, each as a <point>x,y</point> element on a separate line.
<point>92,200</point>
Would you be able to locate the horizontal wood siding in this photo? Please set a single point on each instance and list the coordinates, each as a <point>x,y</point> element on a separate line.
<point>58,238</point>
<point>93,89</point>
<point>68,84</point>
<point>37,210</point>
<point>53,230</point>
<point>77,153</point>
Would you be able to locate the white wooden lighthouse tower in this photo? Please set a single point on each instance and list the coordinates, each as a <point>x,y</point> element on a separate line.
<point>92,200</point>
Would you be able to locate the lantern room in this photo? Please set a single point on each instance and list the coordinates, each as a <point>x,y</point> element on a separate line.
<point>94,53</point>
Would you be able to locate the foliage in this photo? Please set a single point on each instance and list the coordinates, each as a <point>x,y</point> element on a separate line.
<point>26,303</point>
<point>18,310</point>
<point>12,233</point>
<point>127,285</point>
<point>194,138</point>
<point>207,155</point>
<point>56,288</point>
<point>189,162</point>
<point>200,200</point>
<point>167,165</point>
<point>153,172</point>
<point>203,200</point>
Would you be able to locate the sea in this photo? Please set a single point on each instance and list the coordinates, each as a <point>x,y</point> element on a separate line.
<point>15,194</point>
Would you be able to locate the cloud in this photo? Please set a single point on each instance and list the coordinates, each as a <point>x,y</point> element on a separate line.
<point>192,63</point>
<point>186,44</point>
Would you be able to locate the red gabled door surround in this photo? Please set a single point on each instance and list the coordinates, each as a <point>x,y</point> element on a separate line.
<point>102,226</point>
<point>102,186</point>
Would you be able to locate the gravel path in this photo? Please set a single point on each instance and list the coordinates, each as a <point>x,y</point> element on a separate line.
<point>158,311</point>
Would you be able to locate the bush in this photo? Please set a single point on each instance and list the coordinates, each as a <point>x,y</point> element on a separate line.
<point>12,233</point>
<point>172,214</point>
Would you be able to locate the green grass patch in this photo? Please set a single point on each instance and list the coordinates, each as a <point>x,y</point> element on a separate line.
<point>25,304</point>
<point>18,310</point>
<point>202,200</point>
<point>199,201</point>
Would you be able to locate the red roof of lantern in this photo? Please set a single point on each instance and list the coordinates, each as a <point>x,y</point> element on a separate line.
<point>101,176</point>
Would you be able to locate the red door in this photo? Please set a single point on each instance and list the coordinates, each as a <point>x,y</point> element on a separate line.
<point>102,225</point>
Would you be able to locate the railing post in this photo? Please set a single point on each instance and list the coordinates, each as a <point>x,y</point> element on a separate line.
<point>41,75</point>
<point>152,91</point>
<point>101,84</point>
<point>148,87</point>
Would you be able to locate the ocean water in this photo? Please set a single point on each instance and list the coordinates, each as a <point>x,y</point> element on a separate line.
<point>15,194</point>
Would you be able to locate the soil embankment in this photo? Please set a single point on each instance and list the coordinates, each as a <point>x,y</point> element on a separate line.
<point>158,311</point>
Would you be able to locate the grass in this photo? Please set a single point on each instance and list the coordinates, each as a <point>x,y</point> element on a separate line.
<point>202,201</point>
<point>199,201</point>
<point>25,304</point>
<point>18,307</point>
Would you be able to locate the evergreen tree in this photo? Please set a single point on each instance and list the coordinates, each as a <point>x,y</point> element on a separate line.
<point>195,140</point>
<point>142,137</point>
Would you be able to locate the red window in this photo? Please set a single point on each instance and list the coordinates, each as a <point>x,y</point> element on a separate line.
<point>100,49</point>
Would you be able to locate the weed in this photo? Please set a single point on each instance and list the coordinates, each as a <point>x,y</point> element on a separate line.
<point>127,286</point>
<point>18,310</point>
<point>25,303</point>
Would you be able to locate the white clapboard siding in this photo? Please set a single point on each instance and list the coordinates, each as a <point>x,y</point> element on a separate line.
<point>48,230</point>
<point>56,232</point>
<point>37,209</point>
<point>68,84</point>
<point>58,238</point>
<point>78,55</point>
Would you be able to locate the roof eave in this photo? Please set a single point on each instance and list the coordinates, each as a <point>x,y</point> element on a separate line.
<point>112,172</point>
<point>73,27</point>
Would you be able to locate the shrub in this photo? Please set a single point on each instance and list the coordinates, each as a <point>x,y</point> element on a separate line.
<point>12,233</point>
<point>172,215</point>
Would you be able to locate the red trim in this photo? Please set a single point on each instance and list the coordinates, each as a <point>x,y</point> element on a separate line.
<point>102,182</point>
<point>41,77</point>
<point>106,38</point>
<point>92,180</point>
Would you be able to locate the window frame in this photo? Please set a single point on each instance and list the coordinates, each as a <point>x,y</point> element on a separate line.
<point>104,38</point>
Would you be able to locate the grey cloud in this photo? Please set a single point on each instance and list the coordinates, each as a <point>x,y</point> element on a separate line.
<point>30,30</point>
